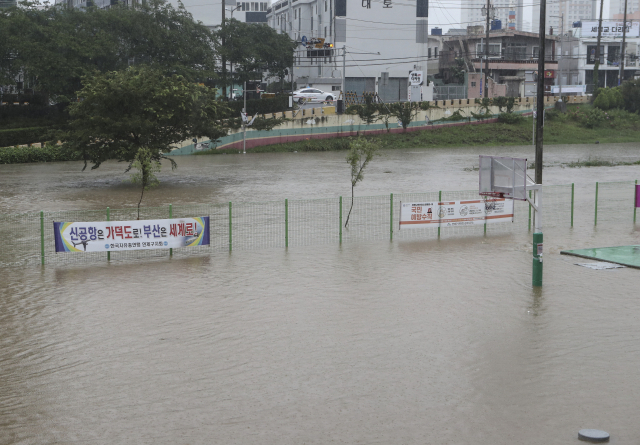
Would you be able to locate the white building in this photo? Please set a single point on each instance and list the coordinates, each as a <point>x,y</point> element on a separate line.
<point>573,10</point>
<point>384,41</point>
<point>471,12</point>
<point>610,43</point>
<point>617,7</point>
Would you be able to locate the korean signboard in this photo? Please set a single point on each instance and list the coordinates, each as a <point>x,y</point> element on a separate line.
<point>610,29</point>
<point>415,77</point>
<point>455,213</point>
<point>130,235</point>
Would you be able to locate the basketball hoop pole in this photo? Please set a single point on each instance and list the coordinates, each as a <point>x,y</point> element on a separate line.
<point>536,203</point>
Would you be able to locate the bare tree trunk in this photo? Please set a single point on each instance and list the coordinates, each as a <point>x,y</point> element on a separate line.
<point>350,208</point>
<point>141,195</point>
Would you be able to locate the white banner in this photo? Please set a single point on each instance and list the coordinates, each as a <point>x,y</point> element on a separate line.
<point>104,236</point>
<point>555,89</point>
<point>455,213</point>
<point>610,29</point>
<point>415,77</point>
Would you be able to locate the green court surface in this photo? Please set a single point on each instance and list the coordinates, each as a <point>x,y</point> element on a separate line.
<point>625,255</point>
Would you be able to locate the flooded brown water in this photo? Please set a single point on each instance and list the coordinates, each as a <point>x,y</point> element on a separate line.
<point>405,342</point>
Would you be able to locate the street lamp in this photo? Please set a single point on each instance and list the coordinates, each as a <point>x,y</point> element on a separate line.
<point>234,9</point>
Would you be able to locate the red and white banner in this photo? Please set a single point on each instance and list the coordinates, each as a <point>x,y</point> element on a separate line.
<point>455,213</point>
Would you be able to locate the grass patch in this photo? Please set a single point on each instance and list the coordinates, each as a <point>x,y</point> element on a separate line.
<point>598,163</point>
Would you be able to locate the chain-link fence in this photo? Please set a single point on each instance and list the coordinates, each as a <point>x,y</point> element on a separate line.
<point>28,239</point>
<point>449,92</point>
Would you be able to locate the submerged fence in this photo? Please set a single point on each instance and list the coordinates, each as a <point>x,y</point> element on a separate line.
<point>28,239</point>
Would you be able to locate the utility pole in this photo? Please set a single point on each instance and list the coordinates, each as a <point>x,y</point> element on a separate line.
<point>344,77</point>
<point>486,52</point>
<point>244,119</point>
<point>223,58</point>
<point>540,92</point>
<point>624,35</point>
<point>597,64</point>
<point>561,60</point>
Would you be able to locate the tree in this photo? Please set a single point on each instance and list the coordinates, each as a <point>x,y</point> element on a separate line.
<point>147,168</point>
<point>631,95</point>
<point>55,45</point>
<point>405,112</point>
<point>360,154</point>
<point>122,112</point>
<point>253,49</point>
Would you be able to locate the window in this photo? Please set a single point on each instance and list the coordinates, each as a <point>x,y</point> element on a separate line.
<point>535,51</point>
<point>473,84</point>
<point>429,53</point>
<point>495,49</point>
<point>325,31</point>
<point>435,52</point>
<point>311,23</point>
<point>325,5</point>
<point>591,54</point>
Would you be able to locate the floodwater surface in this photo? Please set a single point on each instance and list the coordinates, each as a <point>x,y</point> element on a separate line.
<point>420,341</point>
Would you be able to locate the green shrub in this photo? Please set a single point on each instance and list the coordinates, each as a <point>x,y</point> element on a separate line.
<point>593,118</point>
<point>21,136</point>
<point>615,97</point>
<point>48,153</point>
<point>602,99</point>
<point>511,118</point>
<point>276,104</point>
<point>630,91</point>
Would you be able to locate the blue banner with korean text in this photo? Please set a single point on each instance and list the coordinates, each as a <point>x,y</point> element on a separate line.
<point>107,236</point>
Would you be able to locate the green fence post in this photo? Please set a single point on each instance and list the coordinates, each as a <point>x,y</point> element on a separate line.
<point>572,201</point>
<point>230,230</point>
<point>286,223</point>
<point>439,201</point>
<point>341,220</point>
<point>391,217</point>
<point>595,221</point>
<point>634,203</point>
<point>108,219</point>
<point>529,212</point>
<point>536,276</point>
<point>171,217</point>
<point>42,237</point>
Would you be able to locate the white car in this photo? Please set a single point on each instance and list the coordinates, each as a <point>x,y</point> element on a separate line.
<point>312,95</point>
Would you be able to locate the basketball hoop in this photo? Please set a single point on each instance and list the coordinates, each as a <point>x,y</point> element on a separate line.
<point>490,199</point>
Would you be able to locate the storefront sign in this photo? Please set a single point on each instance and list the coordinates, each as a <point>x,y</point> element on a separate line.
<point>610,29</point>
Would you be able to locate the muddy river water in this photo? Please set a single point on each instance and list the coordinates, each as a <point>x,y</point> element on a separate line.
<point>408,342</point>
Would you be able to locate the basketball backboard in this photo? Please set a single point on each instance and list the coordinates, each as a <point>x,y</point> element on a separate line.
<point>505,177</point>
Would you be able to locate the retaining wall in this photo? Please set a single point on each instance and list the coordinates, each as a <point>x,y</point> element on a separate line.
<point>320,123</point>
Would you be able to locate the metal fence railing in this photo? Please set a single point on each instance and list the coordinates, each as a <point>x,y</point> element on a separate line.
<point>449,92</point>
<point>28,238</point>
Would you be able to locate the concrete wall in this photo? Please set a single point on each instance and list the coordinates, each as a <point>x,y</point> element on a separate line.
<point>321,123</point>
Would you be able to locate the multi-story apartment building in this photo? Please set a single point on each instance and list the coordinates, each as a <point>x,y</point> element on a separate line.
<point>384,41</point>
<point>507,11</point>
<point>572,10</point>
<point>617,7</point>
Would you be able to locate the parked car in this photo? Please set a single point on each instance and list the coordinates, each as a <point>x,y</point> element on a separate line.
<point>312,95</point>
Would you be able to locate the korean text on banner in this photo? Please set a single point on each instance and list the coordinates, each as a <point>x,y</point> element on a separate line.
<point>131,235</point>
<point>455,213</point>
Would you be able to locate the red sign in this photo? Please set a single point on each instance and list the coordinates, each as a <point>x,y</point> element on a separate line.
<point>549,74</point>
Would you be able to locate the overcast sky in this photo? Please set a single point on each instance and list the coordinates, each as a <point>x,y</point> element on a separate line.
<point>444,14</point>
